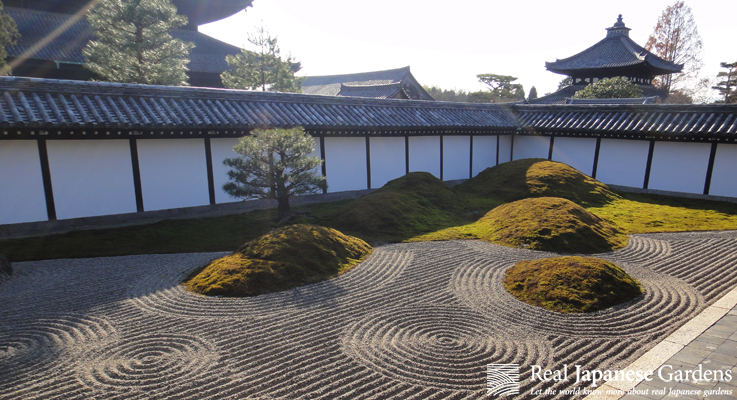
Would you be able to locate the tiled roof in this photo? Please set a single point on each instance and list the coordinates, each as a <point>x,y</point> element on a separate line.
<point>691,120</point>
<point>197,11</point>
<point>61,104</point>
<point>57,103</point>
<point>331,85</point>
<point>388,91</point>
<point>614,51</point>
<point>37,26</point>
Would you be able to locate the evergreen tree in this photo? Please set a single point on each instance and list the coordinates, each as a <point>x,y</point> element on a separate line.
<point>501,89</point>
<point>456,96</point>
<point>611,88</point>
<point>533,93</point>
<point>727,86</point>
<point>565,82</point>
<point>676,38</point>
<point>262,69</point>
<point>132,42</point>
<point>275,164</point>
<point>8,35</point>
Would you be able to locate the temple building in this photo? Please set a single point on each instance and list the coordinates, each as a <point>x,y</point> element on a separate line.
<point>389,84</point>
<point>53,34</point>
<point>615,55</point>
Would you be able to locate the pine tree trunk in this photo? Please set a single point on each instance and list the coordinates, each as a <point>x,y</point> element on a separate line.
<point>284,210</point>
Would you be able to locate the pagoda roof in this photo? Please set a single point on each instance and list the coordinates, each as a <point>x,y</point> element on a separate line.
<point>333,85</point>
<point>66,46</point>
<point>616,50</point>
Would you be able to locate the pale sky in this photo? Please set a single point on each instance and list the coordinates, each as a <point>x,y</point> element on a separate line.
<point>447,44</point>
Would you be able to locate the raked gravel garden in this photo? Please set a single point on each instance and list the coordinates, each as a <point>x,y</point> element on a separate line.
<point>413,321</point>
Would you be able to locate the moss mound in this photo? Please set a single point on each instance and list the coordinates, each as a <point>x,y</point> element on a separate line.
<point>550,224</point>
<point>415,203</point>
<point>571,284</point>
<point>536,177</point>
<point>290,256</point>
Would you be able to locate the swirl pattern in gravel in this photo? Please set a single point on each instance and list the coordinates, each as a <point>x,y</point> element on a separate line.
<point>414,321</point>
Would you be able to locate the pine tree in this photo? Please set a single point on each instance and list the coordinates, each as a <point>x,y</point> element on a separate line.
<point>565,82</point>
<point>262,69</point>
<point>501,89</point>
<point>133,45</point>
<point>533,93</point>
<point>611,88</point>
<point>275,165</point>
<point>676,38</point>
<point>8,35</point>
<point>727,87</point>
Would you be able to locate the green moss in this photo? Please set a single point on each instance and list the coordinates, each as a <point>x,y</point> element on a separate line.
<point>571,284</point>
<point>544,223</point>
<point>287,257</point>
<point>534,177</point>
<point>415,203</point>
<point>644,213</point>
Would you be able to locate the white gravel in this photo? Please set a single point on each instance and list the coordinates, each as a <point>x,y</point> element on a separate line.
<point>415,321</point>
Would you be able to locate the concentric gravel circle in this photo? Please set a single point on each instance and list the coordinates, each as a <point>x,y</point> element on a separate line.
<point>149,362</point>
<point>164,295</point>
<point>665,299</point>
<point>440,347</point>
<point>27,346</point>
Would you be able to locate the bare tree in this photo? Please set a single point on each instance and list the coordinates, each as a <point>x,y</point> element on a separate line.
<point>676,38</point>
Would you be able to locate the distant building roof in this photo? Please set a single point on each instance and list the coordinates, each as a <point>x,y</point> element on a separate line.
<point>367,84</point>
<point>198,12</point>
<point>65,46</point>
<point>387,91</point>
<point>615,55</point>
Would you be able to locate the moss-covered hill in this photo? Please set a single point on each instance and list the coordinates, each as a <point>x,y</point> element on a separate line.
<point>544,223</point>
<point>287,257</point>
<point>535,177</point>
<point>415,203</point>
<point>551,224</point>
<point>571,284</point>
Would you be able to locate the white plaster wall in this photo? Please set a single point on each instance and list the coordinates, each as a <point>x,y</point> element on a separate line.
<point>622,162</point>
<point>724,174</point>
<point>345,160</point>
<point>22,197</point>
<point>531,147</point>
<point>222,148</point>
<point>387,160</point>
<point>173,173</point>
<point>456,157</point>
<point>505,148</point>
<point>577,152</point>
<point>484,153</point>
<point>91,177</point>
<point>679,167</point>
<point>424,154</point>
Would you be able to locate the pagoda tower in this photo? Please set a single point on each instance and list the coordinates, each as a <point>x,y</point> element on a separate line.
<point>48,50</point>
<point>615,55</point>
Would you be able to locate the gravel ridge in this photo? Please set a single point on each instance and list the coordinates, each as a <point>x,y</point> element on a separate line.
<point>413,321</point>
